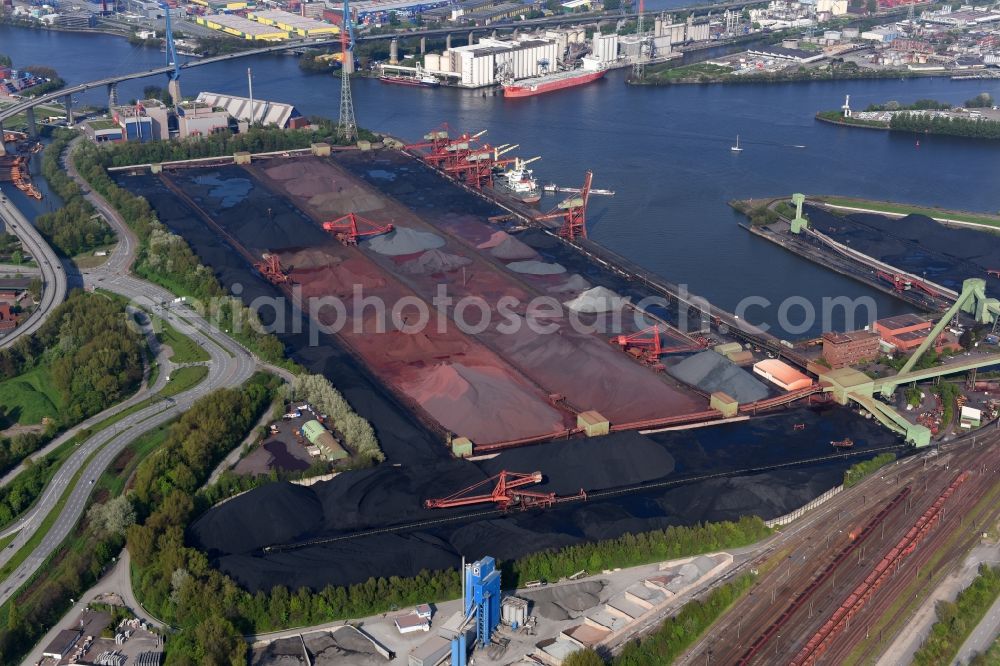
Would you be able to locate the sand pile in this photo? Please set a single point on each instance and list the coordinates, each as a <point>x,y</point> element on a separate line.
<point>282,652</point>
<point>459,397</point>
<point>504,246</point>
<point>710,372</point>
<point>575,284</point>
<point>565,602</point>
<point>434,261</point>
<point>404,240</point>
<point>345,645</point>
<point>536,268</point>
<point>598,299</point>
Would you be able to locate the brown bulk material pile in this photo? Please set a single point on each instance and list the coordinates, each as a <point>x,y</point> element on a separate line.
<point>337,279</point>
<point>482,403</point>
<point>593,375</point>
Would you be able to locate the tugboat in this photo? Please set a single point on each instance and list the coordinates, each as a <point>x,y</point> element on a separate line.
<point>519,182</point>
<point>845,443</point>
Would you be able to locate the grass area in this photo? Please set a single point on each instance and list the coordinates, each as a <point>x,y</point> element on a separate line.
<point>6,540</point>
<point>114,478</point>
<point>182,379</point>
<point>86,260</point>
<point>890,623</point>
<point>695,71</point>
<point>28,398</point>
<point>907,209</point>
<point>185,349</point>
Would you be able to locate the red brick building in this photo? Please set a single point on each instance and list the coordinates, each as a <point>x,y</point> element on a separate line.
<point>842,350</point>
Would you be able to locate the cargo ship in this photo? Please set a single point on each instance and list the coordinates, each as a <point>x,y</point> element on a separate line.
<point>519,183</point>
<point>420,78</point>
<point>591,71</point>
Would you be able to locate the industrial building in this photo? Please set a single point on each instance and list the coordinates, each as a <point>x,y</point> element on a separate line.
<point>221,5</point>
<point>781,374</point>
<point>324,440</point>
<point>242,27</point>
<point>201,120</point>
<point>905,332</point>
<point>842,350</point>
<point>970,417</point>
<point>481,64</point>
<point>293,23</point>
<point>783,53</point>
<point>264,111</point>
<point>371,12</point>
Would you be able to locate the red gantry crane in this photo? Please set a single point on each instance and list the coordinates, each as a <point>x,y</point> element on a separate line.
<point>646,346</point>
<point>573,212</point>
<point>507,493</point>
<point>349,228</point>
<point>270,268</point>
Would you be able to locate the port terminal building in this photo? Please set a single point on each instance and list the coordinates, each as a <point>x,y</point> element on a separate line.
<point>477,65</point>
<point>905,332</point>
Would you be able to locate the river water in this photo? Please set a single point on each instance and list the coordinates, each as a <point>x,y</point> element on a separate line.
<point>664,151</point>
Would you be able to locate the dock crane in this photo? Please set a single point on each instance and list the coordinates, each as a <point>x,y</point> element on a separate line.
<point>174,75</point>
<point>507,493</point>
<point>351,227</point>
<point>270,267</point>
<point>647,347</point>
<point>573,212</point>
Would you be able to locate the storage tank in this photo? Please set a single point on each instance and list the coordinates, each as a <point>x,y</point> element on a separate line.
<point>432,62</point>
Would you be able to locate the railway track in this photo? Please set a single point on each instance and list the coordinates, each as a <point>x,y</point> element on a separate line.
<point>816,546</point>
<point>929,562</point>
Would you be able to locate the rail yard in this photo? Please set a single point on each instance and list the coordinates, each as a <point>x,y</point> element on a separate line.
<point>840,591</point>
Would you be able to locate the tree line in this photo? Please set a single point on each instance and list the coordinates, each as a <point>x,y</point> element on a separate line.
<point>76,227</point>
<point>856,473</point>
<point>967,127</point>
<point>955,621</point>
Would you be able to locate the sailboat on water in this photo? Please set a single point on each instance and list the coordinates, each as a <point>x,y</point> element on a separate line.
<point>736,148</point>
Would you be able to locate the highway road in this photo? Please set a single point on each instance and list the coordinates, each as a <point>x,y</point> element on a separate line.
<point>230,364</point>
<point>53,272</point>
<point>162,358</point>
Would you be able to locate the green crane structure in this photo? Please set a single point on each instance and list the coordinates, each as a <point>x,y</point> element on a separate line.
<point>972,301</point>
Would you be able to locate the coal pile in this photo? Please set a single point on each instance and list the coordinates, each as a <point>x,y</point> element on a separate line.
<point>710,372</point>
<point>916,244</point>
<point>392,495</point>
